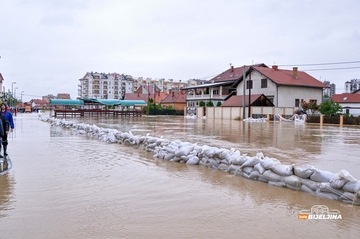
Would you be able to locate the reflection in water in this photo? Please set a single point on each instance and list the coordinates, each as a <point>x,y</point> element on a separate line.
<point>6,194</point>
<point>73,186</point>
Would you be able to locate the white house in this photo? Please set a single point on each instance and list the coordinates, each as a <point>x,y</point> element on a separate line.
<point>350,102</point>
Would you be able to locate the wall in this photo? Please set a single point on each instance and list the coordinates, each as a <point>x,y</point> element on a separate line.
<point>237,112</point>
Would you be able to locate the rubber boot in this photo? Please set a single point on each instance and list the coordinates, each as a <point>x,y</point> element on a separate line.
<point>1,154</point>
<point>5,148</point>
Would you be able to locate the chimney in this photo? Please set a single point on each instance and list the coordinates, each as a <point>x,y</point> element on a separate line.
<point>172,94</point>
<point>295,72</point>
<point>158,93</point>
<point>275,67</point>
<point>170,91</point>
<point>232,68</point>
<point>181,92</point>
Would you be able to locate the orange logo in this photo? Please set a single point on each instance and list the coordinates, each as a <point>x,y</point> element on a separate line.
<point>303,216</point>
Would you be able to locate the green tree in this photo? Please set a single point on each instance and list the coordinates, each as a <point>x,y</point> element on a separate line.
<point>202,104</point>
<point>218,104</point>
<point>210,104</point>
<point>330,108</point>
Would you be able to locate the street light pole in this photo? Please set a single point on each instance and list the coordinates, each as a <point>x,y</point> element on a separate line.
<point>22,92</point>
<point>12,91</point>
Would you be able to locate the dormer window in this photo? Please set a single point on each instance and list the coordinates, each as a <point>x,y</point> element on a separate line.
<point>345,98</point>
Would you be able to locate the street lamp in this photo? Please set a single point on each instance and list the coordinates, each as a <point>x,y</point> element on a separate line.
<point>15,94</point>
<point>12,90</point>
<point>22,92</point>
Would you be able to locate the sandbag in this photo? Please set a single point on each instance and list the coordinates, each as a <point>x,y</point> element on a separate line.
<point>250,162</point>
<point>271,176</point>
<point>321,175</point>
<point>194,160</point>
<point>337,181</point>
<point>184,151</point>
<point>310,184</point>
<point>293,180</point>
<point>268,163</point>
<point>223,167</point>
<point>278,184</point>
<point>352,186</point>
<point>325,187</point>
<point>254,175</point>
<point>259,168</point>
<point>247,170</point>
<point>306,189</point>
<point>303,171</point>
<point>283,169</point>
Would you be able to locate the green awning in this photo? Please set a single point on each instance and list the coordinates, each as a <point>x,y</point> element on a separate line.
<point>97,101</point>
<point>66,102</point>
<point>132,102</point>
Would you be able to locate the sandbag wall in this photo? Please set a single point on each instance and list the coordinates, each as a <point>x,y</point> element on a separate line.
<point>340,186</point>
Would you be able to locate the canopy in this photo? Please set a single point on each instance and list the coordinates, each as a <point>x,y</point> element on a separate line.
<point>66,102</point>
<point>97,101</point>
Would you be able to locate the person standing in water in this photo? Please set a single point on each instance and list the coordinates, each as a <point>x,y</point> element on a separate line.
<point>8,117</point>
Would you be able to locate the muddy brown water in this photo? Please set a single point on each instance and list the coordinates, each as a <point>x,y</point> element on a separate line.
<point>64,185</point>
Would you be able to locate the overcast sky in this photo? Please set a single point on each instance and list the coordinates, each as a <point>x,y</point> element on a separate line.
<point>46,46</point>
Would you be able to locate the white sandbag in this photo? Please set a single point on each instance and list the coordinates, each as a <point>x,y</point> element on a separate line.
<point>293,180</point>
<point>268,163</point>
<point>236,158</point>
<point>175,159</point>
<point>250,162</point>
<point>254,175</point>
<point>283,169</point>
<point>168,156</point>
<point>325,187</point>
<point>352,186</point>
<point>223,167</point>
<point>306,189</point>
<point>346,175</point>
<point>184,151</point>
<point>296,188</point>
<point>224,153</point>
<point>321,175</point>
<point>213,163</point>
<point>337,181</point>
<point>247,170</point>
<point>259,168</point>
<point>303,171</point>
<point>310,184</point>
<point>271,176</point>
<point>278,184</point>
<point>327,195</point>
<point>194,160</point>
<point>347,196</point>
<point>232,168</point>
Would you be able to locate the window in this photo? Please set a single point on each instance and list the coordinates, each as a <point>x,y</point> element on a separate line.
<point>249,84</point>
<point>264,83</point>
<point>215,92</point>
<point>297,102</point>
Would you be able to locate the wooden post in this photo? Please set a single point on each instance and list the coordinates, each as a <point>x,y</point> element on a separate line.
<point>321,120</point>
<point>341,120</point>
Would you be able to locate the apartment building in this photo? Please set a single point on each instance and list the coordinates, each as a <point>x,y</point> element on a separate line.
<point>104,86</point>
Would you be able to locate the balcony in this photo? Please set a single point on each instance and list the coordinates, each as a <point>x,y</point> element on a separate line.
<point>206,97</point>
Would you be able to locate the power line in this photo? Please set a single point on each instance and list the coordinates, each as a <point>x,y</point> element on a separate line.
<point>329,69</point>
<point>323,64</point>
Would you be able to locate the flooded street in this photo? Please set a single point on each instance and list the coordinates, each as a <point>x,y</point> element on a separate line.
<point>64,185</point>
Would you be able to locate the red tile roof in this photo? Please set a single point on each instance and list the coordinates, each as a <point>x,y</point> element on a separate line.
<point>285,77</point>
<point>237,100</point>
<point>135,96</point>
<point>346,98</point>
<point>232,74</point>
<point>175,97</point>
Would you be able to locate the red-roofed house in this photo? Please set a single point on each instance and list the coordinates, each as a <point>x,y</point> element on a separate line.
<point>284,88</point>
<point>216,89</point>
<point>350,102</point>
<point>175,99</point>
<point>39,104</point>
<point>255,100</point>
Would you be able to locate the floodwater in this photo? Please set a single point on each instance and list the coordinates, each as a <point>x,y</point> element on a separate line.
<point>64,185</point>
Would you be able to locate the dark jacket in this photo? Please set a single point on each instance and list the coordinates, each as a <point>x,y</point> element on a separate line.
<point>4,126</point>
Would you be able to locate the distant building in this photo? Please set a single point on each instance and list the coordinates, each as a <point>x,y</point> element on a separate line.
<point>352,85</point>
<point>1,84</point>
<point>105,86</point>
<point>331,90</point>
